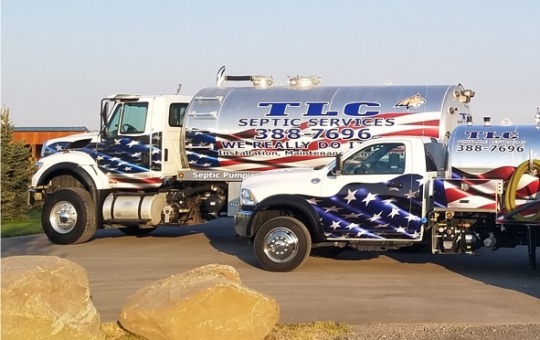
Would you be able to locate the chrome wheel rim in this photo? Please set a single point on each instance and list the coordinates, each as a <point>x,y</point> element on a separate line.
<point>280,245</point>
<point>63,217</point>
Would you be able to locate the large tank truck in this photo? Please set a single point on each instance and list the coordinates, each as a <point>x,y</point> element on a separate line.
<point>480,189</point>
<point>158,161</point>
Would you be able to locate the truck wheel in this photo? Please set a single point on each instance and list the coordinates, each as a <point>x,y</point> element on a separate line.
<point>282,244</point>
<point>68,216</point>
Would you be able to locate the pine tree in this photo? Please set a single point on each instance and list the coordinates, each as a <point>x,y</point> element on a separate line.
<point>16,171</point>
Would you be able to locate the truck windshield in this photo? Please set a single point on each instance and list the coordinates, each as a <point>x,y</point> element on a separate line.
<point>128,118</point>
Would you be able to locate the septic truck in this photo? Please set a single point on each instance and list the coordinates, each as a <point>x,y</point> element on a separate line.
<point>481,188</point>
<point>176,160</point>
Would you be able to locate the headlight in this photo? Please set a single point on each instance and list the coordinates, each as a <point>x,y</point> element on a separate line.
<point>247,197</point>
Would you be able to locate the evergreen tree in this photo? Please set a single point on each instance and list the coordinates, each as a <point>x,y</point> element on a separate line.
<point>17,170</point>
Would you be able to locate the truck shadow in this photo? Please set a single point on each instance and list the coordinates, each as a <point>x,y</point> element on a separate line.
<point>220,234</point>
<point>504,268</point>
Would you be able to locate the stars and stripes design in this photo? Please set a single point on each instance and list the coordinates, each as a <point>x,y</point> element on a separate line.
<point>55,147</point>
<point>503,172</point>
<point>474,194</point>
<point>373,211</point>
<point>128,161</point>
<point>130,155</point>
<point>241,151</point>
<point>528,187</point>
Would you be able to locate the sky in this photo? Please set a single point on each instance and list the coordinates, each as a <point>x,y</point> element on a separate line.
<point>60,57</point>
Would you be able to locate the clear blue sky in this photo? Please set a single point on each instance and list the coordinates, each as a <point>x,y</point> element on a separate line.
<point>60,57</point>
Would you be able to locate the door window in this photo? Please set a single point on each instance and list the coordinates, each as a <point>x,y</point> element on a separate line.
<point>177,111</point>
<point>384,158</point>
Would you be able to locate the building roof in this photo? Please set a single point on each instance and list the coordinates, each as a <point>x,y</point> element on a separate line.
<point>51,128</point>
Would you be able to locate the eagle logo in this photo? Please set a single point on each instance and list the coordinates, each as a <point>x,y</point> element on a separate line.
<point>415,102</point>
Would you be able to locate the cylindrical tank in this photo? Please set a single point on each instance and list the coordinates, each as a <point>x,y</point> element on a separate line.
<point>139,209</point>
<point>510,153</point>
<point>261,128</point>
<point>491,151</point>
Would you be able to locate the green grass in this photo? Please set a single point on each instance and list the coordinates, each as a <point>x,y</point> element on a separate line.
<point>29,225</point>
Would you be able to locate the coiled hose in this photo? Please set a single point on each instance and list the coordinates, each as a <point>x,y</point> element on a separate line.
<point>512,187</point>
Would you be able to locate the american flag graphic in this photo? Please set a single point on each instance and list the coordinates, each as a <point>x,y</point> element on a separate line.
<point>528,187</point>
<point>55,147</point>
<point>125,158</point>
<point>476,194</point>
<point>241,151</point>
<point>373,211</point>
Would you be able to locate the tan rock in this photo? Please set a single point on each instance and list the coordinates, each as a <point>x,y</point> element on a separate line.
<point>208,302</point>
<point>46,297</point>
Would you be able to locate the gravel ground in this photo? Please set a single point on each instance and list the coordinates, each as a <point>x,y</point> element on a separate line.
<point>445,332</point>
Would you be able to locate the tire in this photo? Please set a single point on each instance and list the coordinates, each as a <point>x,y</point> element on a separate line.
<point>282,244</point>
<point>136,231</point>
<point>68,216</point>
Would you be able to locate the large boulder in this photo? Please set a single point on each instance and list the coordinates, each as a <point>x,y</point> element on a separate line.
<point>46,297</point>
<point>208,302</point>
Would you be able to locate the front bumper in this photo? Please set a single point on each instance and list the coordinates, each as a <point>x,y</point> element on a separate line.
<point>241,222</point>
<point>34,197</point>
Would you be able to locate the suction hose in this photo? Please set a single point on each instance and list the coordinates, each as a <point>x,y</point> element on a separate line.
<point>512,187</point>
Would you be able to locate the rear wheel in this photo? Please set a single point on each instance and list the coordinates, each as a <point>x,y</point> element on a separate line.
<point>68,216</point>
<point>282,244</point>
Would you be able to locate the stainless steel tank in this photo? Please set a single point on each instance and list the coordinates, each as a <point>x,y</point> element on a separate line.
<point>260,128</point>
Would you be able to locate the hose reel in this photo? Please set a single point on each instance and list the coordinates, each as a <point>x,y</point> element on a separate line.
<point>531,167</point>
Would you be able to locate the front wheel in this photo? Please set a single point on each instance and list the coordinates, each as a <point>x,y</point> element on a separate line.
<point>282,244</point>
<point>68,216</point>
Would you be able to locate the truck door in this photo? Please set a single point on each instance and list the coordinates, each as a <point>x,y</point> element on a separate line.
<point>376,196</point>
<point>127,153</point>
<point>172,153</point>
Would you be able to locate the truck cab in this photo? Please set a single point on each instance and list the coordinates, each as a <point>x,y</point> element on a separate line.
<point>141,136</point>
<point>375,197</point>
<point>137,148</point>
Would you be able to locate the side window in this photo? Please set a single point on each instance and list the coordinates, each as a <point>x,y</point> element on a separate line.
<point>134,118</point>
<point>177,111</point>
<point>384,158</point>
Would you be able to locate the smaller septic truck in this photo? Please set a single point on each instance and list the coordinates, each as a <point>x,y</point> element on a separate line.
<point>481,188</point>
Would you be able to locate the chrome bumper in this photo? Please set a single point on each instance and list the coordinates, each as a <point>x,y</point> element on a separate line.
<point>241,223</point>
